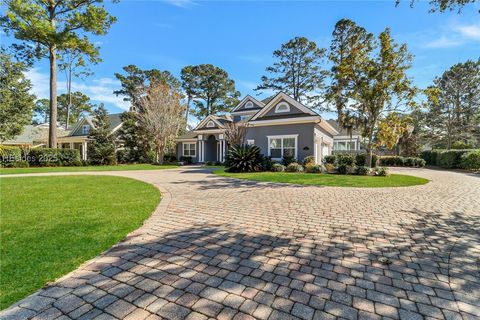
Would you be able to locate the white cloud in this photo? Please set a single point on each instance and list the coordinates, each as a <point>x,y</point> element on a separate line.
<point>181,3</point>
<point>455,35</point>
<point>99,90</point>
<point>469,31</point>
<point>443,42</point>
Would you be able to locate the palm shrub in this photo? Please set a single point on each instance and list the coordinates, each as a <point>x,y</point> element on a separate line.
<point>309,160</point>
<point>244,158</point>
<point>286,160</point>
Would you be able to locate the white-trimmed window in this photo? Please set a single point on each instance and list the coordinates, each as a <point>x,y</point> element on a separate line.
<point>85,129</point>
<point>282,146</point>
<point>249,105</point>
<point>251,142</point>
<point>282,107</point>
<point>210,124</point>
<point>189,149</point>
<point>344,145</point>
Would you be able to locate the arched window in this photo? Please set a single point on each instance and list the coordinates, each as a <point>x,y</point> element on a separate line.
<point>249,105</point>
<point>282,107</point>
<point>210,124</point>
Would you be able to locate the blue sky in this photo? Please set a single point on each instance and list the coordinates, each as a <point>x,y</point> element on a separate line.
<point>241,36</point>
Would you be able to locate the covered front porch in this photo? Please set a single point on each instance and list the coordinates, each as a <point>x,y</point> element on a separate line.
<point>212,147</point>
<point>78,143</point>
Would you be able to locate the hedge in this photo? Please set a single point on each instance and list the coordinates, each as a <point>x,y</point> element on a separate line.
<point>10,155</point>
<point>350,159</point>
<point>51,157</point>
<point>449,159</point>
<point>397,161</point>
<point>471,160</point>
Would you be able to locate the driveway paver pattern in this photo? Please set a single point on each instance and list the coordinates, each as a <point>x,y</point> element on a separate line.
<point>228,249</point>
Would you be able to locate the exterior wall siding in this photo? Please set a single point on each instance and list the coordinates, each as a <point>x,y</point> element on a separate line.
<point>305,132</point>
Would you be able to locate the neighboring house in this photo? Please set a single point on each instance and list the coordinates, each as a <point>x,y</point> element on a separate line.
<point>280,127</point>
<point>345,141</point>
<point>76,138</point>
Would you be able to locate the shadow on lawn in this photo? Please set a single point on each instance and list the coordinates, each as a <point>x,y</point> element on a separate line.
<point>228,264</point>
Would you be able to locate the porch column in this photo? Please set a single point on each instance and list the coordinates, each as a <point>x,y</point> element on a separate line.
<point>222,147</point>
<point>71,145</point>
<point>84,150</point>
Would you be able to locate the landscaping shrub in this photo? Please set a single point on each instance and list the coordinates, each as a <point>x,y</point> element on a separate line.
<point>471,160</point>
<point>267,164</point>
<point>278,167</point>
<point>342,169</point>
<point>345,159</point>
<point>52,157</point>
<point>363,171</point>
<point>309,160</point>
<point>381,171</point>
<point>450,159</point>
<point>186,160</point>
<point>245,158</point>
<point>169,158</point>
<point>330,167</point>
<point>218,163</point>
<point>209,163</point>
<point>361,159</point>
<point>8,155</point>
<point>294,167</point>
<point>314,168</point>
<point>329,159</point>
<point>286,160</point>
<point>396,161</point>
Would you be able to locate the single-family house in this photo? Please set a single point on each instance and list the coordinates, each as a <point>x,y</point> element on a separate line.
<point>280,127</point>
<point>345,141</point>
<point>75,138</point>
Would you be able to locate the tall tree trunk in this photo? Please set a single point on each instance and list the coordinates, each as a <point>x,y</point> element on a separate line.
<point>69,88</point>
<point>189,100</point>
<point>52,132</point>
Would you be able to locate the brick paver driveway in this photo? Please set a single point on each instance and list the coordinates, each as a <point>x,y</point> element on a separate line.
<point>220,248</point>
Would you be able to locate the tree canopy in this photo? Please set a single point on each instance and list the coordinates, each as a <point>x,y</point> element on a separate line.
<point>374,81</point>
<point>210,88</point>
<point>453,106</point>
<point>297,71</point>
<point>135,82</point>
<point>16,101</point>
<point>45,27</point>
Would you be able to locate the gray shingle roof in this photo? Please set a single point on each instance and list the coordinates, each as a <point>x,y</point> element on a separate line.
<point>341,131</point>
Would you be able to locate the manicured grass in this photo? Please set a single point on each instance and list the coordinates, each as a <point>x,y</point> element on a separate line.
<point>50,225</point>
<point>333,180</point>
<point>120,167</point>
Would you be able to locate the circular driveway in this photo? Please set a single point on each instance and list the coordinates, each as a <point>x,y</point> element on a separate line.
<point>228,249</point>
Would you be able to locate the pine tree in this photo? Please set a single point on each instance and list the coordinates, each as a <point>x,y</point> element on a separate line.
<point>101,150</point>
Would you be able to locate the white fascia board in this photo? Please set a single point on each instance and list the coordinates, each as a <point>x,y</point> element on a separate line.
<point>286,97</point>
<point>248,97</point>
<point>273,122</point>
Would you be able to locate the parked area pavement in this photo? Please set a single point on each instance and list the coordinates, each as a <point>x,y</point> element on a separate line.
<point>228,249</point>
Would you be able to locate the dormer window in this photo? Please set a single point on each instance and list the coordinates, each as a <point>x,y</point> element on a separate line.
<point>249,105</point>
<point>210,124</point>
<point>85,129</point>
<point>282,107</point>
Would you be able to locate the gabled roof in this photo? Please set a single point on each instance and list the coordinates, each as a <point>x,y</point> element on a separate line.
<point>219,120</point>
<point>115,122</point>
<point>244,100</point>
<point>342,131</point>
<point>277,98</point>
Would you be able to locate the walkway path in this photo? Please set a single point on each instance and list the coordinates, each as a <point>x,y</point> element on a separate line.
<point>221,248</point>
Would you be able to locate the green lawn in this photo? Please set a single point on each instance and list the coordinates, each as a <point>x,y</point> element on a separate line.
<point>50,225</point>
<point>120,167</point>
<point>333,180</point>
